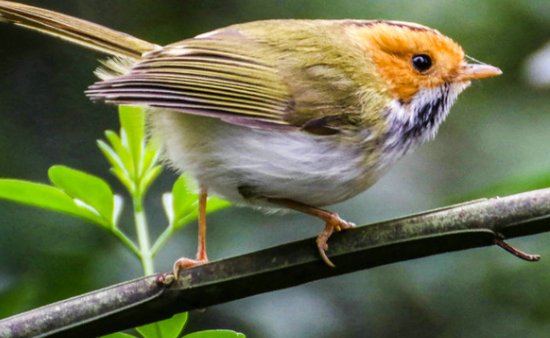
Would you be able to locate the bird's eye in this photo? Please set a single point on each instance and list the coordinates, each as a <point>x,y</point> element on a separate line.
<point>421,62</point>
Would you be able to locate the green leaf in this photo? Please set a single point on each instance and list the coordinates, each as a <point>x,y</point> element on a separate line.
<point>167,200</point>
<point>214,204</point>
<point>215,334</point>
<point>152,154</point>
<point>118,335</point>
<point>132,121</point>
<point>117,209</point>
<point>45,197</point>
<point>187,218</point>
<point>168,328</point>
<point>112,155</point>
<point>118,168</point>
<point>122,152</point>
<point>84,187</point>
<point>124,179</point>
<point>184,201</point>
<point>149,177</point>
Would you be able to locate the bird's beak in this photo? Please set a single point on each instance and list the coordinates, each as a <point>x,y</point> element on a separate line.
<point>469,72</point>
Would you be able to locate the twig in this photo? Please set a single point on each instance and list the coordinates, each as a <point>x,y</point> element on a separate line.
<point>475,224</point>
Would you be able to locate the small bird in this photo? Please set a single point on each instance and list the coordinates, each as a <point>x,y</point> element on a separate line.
<point>279,114</point>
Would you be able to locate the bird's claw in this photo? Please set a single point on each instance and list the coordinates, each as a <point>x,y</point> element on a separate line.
<point>185,263</point>
<point>333,223</point>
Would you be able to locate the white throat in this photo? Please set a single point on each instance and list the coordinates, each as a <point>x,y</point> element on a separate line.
<point>418,121</point>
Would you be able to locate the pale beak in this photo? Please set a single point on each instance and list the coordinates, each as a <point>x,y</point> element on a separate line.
<point>469,72</point>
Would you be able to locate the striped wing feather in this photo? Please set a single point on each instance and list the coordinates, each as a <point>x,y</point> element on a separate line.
<point>217,77</point>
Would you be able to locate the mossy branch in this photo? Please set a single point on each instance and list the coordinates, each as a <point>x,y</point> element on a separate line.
<point>475,224</point>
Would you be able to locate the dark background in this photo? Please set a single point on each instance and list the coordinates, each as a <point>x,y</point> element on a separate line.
<point>496,141</point>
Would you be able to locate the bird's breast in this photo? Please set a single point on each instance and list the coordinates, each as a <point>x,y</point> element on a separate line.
<point>246,165</point>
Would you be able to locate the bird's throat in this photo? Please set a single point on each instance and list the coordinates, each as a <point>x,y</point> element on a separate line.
<point>418,121</point>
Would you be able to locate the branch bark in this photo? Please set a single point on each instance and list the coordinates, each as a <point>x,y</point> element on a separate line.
<point>474,224</point>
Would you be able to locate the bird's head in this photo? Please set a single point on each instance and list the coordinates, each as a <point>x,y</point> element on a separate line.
<point>422,72</point>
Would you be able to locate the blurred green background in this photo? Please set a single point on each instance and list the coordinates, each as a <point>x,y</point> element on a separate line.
<point>495,142</point>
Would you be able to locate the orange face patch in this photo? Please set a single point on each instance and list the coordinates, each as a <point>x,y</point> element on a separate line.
<point>392,46</point>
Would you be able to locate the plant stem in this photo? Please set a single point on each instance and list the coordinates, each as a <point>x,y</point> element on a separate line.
<point>126,241</point>
<point>162,239</point>
<point>142,231</point>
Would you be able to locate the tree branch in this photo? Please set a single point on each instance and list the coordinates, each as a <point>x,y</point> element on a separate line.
<point>475,224</point>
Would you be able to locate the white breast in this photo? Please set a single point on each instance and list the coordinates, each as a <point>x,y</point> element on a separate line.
<point>230,159</point>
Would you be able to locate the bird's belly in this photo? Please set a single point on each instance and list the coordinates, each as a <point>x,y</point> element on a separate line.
<point>247,165</point>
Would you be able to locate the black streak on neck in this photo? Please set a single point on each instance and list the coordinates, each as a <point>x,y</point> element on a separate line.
<point>427,118</point>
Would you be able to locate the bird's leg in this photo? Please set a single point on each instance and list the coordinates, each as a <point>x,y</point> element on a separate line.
<point>201,258</point>
<point>333,223</point>
<point>201,248</point>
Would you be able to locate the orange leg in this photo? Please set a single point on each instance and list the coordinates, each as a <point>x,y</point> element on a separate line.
<point>201,249</point>
<point>333,223</point>
<point>201,258</point>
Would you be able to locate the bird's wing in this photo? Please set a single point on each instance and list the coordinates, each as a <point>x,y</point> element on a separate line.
<point>222,76</point>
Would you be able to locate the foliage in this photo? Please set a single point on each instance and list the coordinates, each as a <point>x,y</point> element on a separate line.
<point>172,328</point>
<point>134,161</point>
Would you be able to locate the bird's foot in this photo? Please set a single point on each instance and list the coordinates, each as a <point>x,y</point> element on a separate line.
<point>333,223</point>
<point>185,263</point>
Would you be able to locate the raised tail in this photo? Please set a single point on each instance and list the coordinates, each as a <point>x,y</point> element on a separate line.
<point>77,31</point>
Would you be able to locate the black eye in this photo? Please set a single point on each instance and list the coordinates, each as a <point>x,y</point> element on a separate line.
<point>421,62</point>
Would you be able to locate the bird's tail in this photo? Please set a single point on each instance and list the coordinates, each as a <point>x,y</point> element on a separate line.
<point>77,31</point>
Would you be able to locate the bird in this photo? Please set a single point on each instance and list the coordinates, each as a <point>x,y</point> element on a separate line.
<point>279,114</point>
